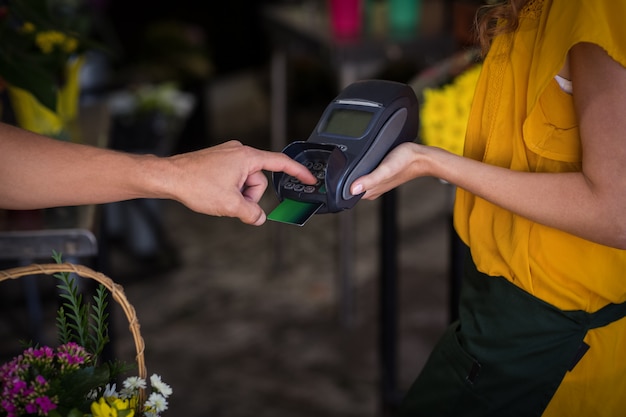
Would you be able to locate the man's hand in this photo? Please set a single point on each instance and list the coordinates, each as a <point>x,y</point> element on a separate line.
<point>228,179</point>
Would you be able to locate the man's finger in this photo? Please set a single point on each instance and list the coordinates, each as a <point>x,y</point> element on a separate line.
<point>277,162</point>
<point>255,186</point>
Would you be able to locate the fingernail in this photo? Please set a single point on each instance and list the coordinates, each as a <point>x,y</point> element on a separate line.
<point>358,189</point>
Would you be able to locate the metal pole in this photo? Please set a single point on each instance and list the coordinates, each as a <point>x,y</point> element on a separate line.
<point>388,317</point>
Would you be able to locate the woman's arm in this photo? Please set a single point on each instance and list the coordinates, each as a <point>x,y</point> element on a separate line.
<point>224,180</point>
<point>590,204</point>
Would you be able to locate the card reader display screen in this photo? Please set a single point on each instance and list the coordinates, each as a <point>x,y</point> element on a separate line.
<point>348,122</point>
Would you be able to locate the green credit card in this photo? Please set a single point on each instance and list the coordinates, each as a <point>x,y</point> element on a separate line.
<point>294,212</point>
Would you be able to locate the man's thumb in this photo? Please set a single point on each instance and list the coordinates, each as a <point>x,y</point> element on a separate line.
<point>254,214</point>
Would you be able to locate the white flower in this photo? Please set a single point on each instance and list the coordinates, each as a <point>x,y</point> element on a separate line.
<point>110,391</point>
<point>160,386</point>
<point>156,403</point>
<point>92,395</point>
<point>127,393</point>
<point>134,383</point>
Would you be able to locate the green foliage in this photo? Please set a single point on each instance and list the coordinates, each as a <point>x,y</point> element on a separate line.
<point>73,387</point>
<point>63,326</point>
<point>81,322</point>
<point>99,332</point>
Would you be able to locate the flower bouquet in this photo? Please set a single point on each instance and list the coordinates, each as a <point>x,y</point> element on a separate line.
<point>71,380</point>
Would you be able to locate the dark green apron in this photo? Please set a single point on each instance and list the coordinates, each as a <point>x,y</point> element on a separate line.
<point>505,356</point>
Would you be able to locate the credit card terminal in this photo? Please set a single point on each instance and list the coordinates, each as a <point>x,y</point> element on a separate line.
<point>356,131</point>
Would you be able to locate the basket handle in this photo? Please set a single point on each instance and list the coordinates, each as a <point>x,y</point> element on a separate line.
<point>116,290</point>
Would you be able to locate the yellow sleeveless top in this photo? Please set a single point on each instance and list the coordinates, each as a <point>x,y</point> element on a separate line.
<point>522,120</point>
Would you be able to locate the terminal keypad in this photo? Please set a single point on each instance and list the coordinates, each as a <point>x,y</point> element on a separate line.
<point>318,169</point>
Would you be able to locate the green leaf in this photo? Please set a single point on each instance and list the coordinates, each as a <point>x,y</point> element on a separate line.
<point>63,328</point>
<point>75,412</point>
<point>73,387</point>
<point>100,332</point>
<point>118,368</point>
<point>35,76</point>
<point>83,323</point>
<point>77,327</point>
<point>124,413</point>
<point>76,311</point>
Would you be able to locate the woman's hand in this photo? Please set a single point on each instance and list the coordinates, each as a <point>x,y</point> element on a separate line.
<point>404,163</point>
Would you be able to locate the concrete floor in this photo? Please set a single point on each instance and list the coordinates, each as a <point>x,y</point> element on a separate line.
<point>251,321</point>
<point>237,336</point>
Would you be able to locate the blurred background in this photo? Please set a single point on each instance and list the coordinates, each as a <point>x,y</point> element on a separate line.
<point>335,318</point>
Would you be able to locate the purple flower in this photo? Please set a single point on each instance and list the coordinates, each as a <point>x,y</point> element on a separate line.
<point>44,352</point>
<point>19,385</point>
<point>25,386</point>
<point>30,408</point>
<point>8,406</point>
<point>71,356</point>
<point>40,380</point>
<point>45,404</point>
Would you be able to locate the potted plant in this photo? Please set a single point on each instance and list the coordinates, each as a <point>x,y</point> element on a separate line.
<point>41,52</point>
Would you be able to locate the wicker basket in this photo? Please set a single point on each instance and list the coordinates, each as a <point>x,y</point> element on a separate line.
<point>116,291</point>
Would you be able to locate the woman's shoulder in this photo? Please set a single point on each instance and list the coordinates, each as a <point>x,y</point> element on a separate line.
<point>601,22</point>
<point>597,19</point>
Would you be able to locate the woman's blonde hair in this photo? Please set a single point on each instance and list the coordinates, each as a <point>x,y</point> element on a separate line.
<point>496,19</point>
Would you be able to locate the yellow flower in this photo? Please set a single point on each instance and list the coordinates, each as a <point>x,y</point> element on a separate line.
<point>436,107</point>
<point>70,44</point>
<point>445,112</point>
<point>112,407</point>
<point>46,41</point>
<point>27,27</point>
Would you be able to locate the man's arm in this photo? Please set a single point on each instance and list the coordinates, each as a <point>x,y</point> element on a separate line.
<point>224,180</point>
